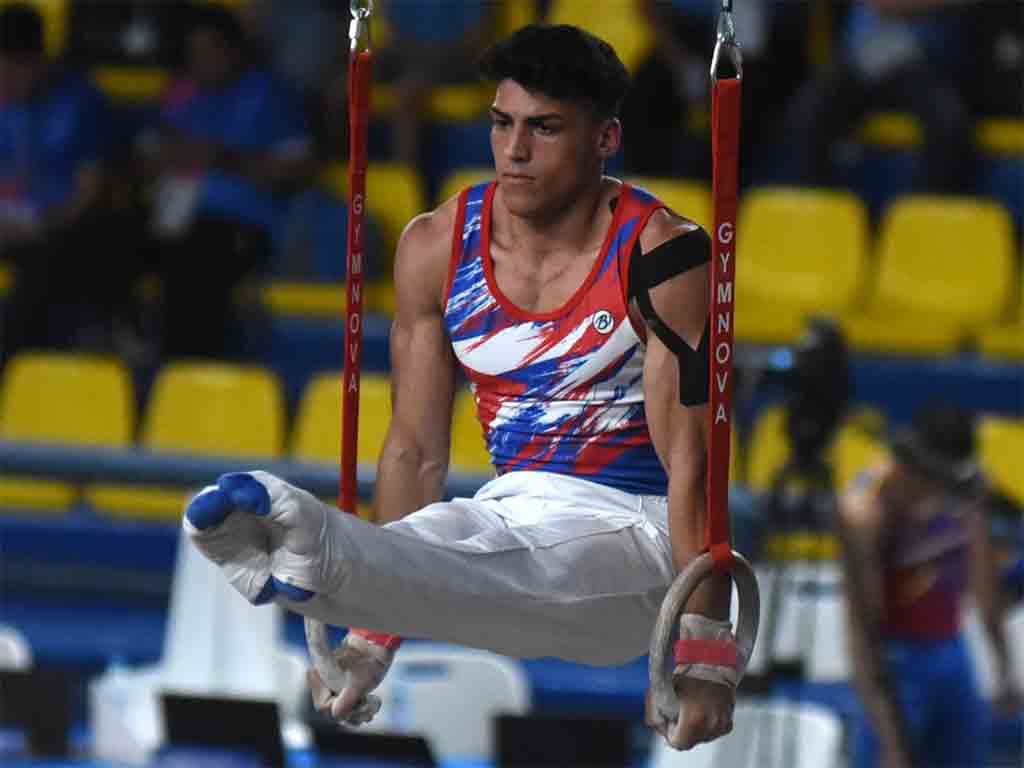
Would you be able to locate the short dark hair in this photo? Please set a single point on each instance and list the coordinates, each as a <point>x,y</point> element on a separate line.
<point>21,29</point>
<point>940,441</point>
<point>562,62</point>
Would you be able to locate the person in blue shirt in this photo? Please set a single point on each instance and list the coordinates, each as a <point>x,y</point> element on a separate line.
<point>905,55</point>
<point>233,145</point>
<point>432,43</point>
<point>54,129</point>
<point>671,86</point>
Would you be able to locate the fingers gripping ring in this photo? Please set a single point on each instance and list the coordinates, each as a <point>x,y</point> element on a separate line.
<point>322,655</point>
<point>661,659</point>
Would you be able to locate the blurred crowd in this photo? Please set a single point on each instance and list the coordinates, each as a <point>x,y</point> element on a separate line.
<point>112,205</point>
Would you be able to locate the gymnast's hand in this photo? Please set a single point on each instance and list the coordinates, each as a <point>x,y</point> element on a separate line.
<point>364,664</point>
<point>271,539</point>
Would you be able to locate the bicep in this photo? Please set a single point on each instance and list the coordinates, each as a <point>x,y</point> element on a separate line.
<point>423,384</point>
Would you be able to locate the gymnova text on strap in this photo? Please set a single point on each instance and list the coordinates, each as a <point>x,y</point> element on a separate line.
<point>723,312</point>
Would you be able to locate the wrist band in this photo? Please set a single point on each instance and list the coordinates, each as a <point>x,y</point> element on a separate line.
<point>706,650</point>
<point>718,653</point>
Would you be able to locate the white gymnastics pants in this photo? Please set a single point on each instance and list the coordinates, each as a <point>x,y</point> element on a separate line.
<point>535,564</point>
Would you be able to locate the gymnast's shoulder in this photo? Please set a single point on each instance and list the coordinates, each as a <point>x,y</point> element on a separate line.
<point>424,251</point>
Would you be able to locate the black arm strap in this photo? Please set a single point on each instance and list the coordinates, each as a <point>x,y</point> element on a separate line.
<point>672,258</point>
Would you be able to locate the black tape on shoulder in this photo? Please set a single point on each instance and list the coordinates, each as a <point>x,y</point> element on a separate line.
<point>671,258</point>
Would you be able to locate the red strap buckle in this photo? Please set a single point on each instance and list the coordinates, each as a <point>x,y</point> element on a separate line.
<point>715,653</point>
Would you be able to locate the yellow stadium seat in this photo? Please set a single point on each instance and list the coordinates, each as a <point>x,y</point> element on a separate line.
<point>324,301</point>
<point>59,398</point>
<point>802,252</point>
<point>767,448</point>
<point>1005,339</point>
<point>690,199</point>
<point>1001,449</point>
<point>131,84</point>
<point>394,196</point>
<point>1000,136</point>
<point>55,22</point>
<point>618,22</point>
<point>304,299</point>
<point>316,436</point>
<point>458,180</point>
<point>469,451</point>
<point>945,270</point>
<point>450,103</point>
<point>202,409</point>
<point>893,130</point>
<point>900,130</point>
<point>515,14</point>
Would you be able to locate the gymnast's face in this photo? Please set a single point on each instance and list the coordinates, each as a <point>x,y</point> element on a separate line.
<point>546,151</point>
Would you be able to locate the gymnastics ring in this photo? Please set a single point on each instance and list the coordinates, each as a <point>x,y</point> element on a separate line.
<point>322,655</point>
<point>667,706</point>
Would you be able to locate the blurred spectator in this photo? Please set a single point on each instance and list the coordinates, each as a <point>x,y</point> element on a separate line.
<point>996,78</point>
<point>915,533</point>
<point>432,43</point>
<point>903,55</point>
<point>72,278</point>
<point>303,39</point>
<point>672,87</point>
<point>234,143</point>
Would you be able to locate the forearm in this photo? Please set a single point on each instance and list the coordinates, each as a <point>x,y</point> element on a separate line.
<point>688,533</point>
<point>864,619</point>
<point>407,480</point>
<point>986,587</point>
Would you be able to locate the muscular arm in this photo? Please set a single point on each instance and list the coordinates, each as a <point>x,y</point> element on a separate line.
<point>679,432</point>
<point>860,530</point>
<point>988,596</point>
<point>413,464</point>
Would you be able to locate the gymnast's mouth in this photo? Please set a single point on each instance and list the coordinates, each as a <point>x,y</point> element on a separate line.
<point>517,178</point>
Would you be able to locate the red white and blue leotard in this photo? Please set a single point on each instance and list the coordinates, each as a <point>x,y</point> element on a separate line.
<point>557,391</point>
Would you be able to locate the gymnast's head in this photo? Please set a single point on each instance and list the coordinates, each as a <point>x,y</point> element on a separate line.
<point>555,113</point>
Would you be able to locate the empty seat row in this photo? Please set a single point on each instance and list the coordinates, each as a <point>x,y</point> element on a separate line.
<point>206,409</point>
<point>200,409</point>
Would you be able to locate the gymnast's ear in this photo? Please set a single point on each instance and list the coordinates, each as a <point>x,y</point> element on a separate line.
<point>609,137</point>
